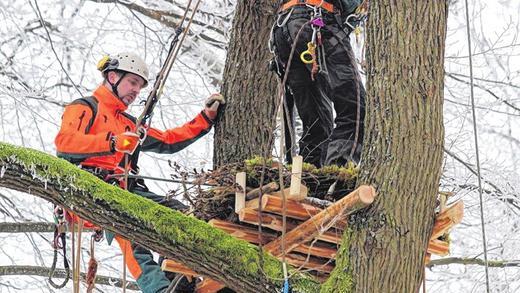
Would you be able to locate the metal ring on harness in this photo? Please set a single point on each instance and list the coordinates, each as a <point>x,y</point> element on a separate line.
<point>348,19</point>
<point>309,56</point>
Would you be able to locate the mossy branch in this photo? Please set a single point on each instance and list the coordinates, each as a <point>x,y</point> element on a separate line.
<point>192,242</point>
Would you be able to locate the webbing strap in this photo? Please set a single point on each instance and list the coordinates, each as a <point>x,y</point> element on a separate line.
<point>319,3</point>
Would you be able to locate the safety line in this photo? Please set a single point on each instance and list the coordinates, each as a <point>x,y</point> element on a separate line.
<point>476,146</point>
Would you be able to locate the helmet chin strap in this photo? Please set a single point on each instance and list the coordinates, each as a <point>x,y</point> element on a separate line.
<point>115,85</point>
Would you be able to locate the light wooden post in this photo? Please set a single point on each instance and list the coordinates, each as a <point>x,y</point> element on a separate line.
<point>240,195</point>
<point>296,177</point>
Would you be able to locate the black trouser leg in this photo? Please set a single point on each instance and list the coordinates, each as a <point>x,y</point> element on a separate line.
<point>314,109</point>
<point>348,95</point>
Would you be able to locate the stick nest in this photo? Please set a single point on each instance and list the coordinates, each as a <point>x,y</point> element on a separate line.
<point>211,194</point>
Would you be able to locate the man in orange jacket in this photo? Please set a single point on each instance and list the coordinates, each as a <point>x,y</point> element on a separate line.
<point>96,133</point>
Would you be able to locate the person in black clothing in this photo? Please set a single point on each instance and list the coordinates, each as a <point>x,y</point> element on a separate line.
<point>333,78</point>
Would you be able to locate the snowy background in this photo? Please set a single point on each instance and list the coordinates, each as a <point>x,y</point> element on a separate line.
<point>40,74</point>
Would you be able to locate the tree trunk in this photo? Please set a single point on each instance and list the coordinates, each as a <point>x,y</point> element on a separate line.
<point>246,127</point>
<point>403,146</point>
<point>194,243</point>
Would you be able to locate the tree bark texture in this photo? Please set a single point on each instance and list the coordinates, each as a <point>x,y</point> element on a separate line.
<point>403,148</point>
<point>246,127</point>
<point>194,243</point>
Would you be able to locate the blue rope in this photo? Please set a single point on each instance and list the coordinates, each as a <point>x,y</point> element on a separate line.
<point>286,286</point>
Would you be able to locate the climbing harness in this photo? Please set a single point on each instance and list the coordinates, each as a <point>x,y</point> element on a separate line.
<point>59,242</point>
<point>311,3</point>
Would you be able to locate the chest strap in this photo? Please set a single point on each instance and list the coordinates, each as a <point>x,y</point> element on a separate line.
<point>318,3</point>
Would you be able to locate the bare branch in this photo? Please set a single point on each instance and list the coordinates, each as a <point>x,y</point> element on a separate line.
<point>27,227</point>
<point>473,261</point>
<point>486,80</point>
<point>498,191</point>
<point>167,18</point>
<point>60,273</point>
<point>486,90</point>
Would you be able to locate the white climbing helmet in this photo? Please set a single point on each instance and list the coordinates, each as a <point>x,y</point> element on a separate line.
<point>128,62</point>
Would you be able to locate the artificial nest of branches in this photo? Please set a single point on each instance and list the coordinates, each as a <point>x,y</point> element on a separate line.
<point>211,194</point>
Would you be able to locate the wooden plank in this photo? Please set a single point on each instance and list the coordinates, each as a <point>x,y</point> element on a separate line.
<point>240,193</point>
<point>169,265</point>
<point>268,188</point>
<point>447,219</point>
<point>248,234</point>
<point>359,198</point>
<point>208,286</point>
<point>316,249</point>
<point>251,235</point>
<point>311,263</point>
<point>273,204</point>
<point>274,222</point>
<point>287,192</point>
<point>294,209</point>
<point>438,247</point>
<point>296,179</point>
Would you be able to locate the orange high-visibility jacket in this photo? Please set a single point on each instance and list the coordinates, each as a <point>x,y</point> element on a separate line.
<point>80,141</point>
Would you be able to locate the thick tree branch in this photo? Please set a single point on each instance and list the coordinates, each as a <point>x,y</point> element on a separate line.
<point>60,273</point>
<point>473,261</point>
<point>194,243</point>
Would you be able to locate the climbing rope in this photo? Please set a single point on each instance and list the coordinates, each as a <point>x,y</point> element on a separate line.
<point>152,100</point>
<point>284,204</point>
<point>59,242</point>
<point>477,156</point>
<point>282,105</point>
<point>77,259</point>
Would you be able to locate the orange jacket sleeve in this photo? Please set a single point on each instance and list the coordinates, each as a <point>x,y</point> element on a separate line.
<point>72,141</point>
<point>176,139</point>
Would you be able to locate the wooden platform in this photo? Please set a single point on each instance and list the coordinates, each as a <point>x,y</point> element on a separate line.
<point>313,231</point>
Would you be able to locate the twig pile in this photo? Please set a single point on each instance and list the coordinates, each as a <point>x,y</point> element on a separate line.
<point>217,200</point>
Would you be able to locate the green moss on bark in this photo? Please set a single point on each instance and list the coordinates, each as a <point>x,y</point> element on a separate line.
<point>180,230</point>
<point>341,275</point>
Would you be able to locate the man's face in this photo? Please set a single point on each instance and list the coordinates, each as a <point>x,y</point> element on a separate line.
<point>129,88</point>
